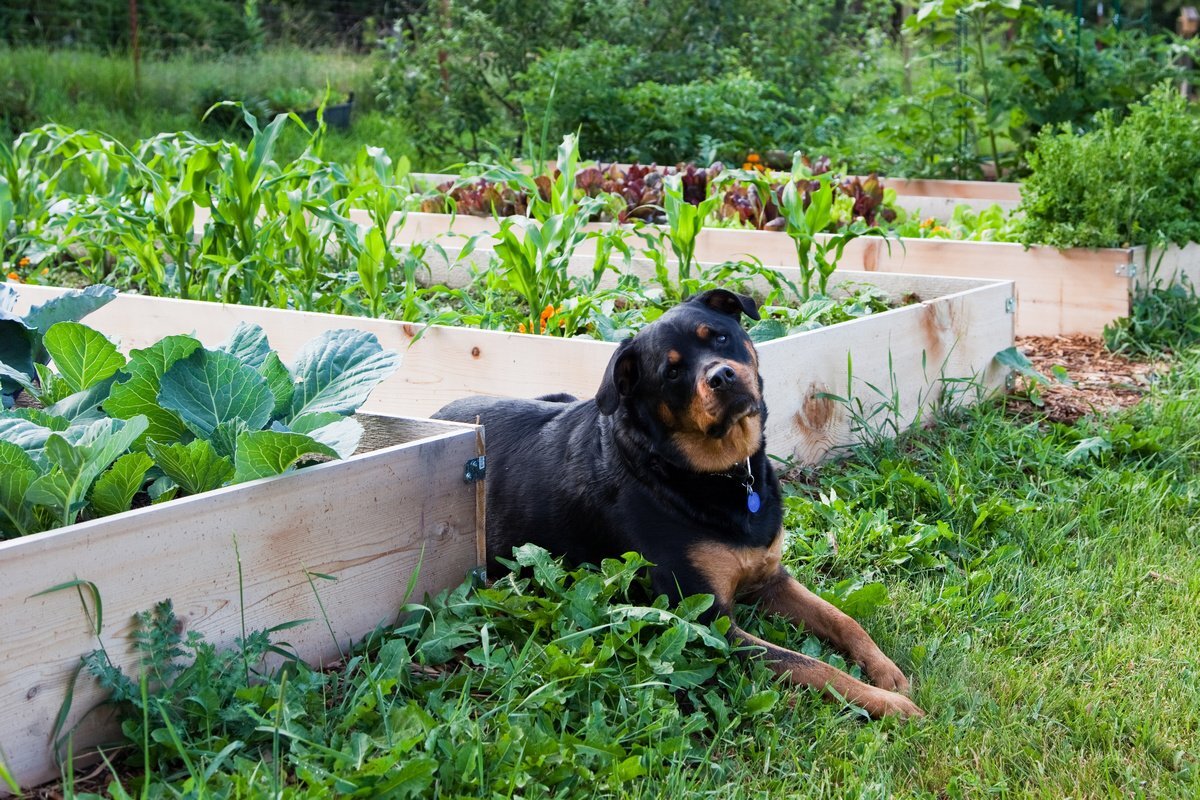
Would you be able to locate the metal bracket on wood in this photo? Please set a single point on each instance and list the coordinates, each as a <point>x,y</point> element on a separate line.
<point>475,469</point>
<point>1127,270</point>
<point>1010,304</point>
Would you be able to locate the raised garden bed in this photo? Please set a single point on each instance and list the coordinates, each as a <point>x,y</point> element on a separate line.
<point>893,366</point>
<point>252,555</point>
<point>334,548</point>
<point>1059,292</point>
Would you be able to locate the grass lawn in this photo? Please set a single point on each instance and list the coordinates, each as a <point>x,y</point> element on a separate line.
<point>96,91</point>
<point>1041,581</point>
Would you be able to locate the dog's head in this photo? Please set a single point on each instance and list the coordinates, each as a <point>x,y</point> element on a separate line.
<point>692,377</point>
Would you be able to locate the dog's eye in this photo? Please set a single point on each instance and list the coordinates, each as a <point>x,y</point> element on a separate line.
<point>722,338</point>
<point>672,373</point>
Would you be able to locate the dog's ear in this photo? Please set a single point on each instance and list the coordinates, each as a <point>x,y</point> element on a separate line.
<point>728,302</point>
<point>620,376</point>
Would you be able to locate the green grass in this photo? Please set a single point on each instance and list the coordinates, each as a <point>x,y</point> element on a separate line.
<point>1042,586</point>
<point>96,91</point>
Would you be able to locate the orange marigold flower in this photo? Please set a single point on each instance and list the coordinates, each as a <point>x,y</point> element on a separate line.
<point>520,327</point>
<point>24,262</point>
<point>753,158</point>
<point>12,276</point>
<point>940,229</point>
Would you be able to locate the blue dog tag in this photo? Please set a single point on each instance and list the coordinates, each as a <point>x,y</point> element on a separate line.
<point>753,502</point>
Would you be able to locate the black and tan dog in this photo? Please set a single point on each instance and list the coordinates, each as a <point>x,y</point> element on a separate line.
<point>668,460</point>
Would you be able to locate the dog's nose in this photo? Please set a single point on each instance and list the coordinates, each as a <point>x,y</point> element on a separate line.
<point>721,376</point>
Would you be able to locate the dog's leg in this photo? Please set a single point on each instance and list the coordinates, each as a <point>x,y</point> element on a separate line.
<point>799,668</point>
<point>786,596</point>
<point>812,672</point>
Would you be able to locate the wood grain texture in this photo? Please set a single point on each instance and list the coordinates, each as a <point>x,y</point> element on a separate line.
<point>371,521</point>
<point>959,323</point>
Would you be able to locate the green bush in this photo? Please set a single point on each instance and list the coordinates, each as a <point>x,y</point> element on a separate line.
<point>602,91</point>
<point>640,77</point>
<point>220,25</point>
<point>1131,182</point>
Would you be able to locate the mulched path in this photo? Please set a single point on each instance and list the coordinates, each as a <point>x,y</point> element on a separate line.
<point>1102,381</point>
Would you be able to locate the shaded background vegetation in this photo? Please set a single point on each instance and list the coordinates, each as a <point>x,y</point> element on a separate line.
<point>451,80</point>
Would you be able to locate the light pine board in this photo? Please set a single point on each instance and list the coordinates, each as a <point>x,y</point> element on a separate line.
<point>372,521</point>
<point>957,329</point>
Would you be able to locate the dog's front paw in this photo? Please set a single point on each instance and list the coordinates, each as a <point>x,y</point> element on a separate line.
<point>886,675</point>
<point>890,704</point>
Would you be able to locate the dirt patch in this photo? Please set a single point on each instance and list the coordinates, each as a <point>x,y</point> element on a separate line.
<point>1102,381</point>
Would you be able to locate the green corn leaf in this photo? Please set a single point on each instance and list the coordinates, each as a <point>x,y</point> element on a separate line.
<point>196,467</point>
<point>83,355</point>
<point>337,371</point>
<point>210,387</point>
<point>261,454</point>
<point>115,489</point>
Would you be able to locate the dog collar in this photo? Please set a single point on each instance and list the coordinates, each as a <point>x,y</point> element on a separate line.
<point>753,500</point>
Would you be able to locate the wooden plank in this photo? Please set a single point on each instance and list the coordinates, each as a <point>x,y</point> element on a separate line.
<point>1162,267</point>
<point>371,521</point>
<point>990,191</point>
<point>964,329</point>
<point>893,369</point>
<point>439,363</point>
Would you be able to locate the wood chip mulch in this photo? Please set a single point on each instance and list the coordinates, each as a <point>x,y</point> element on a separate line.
<point>1102,381</point>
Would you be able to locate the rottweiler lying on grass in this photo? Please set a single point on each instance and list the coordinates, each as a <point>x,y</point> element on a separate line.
<point>669,460</point>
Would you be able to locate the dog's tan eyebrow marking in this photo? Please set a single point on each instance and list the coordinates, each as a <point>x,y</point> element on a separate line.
<point>673,357</point>
<point>704,331</point>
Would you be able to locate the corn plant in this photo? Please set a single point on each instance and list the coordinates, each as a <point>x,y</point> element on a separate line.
<point>534,254</point>
<point>684,223</point>
<point>807,215</point>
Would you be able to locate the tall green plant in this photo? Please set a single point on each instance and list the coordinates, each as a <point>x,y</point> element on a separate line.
<point>808,213</point>
<point>684,223</point>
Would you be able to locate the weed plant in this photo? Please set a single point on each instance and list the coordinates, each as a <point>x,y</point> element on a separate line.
<point>1162,321</point>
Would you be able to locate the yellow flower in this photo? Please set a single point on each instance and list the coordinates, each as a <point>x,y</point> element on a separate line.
<point>520,327</point>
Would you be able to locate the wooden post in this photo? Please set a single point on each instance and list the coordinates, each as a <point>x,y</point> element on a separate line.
<point>1187,26</point>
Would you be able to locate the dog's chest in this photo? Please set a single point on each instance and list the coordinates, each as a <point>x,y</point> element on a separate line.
<point>733,570</point>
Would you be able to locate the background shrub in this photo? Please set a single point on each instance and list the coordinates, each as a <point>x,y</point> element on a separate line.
<point>1135,181</point>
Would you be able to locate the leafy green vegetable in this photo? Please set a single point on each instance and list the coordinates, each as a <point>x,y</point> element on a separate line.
<point>337,370</point>
<point>115,489</point>
<point>21,338</point>
<point>261,454</point>
<point>173,418</point>
<point>210,387</point>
